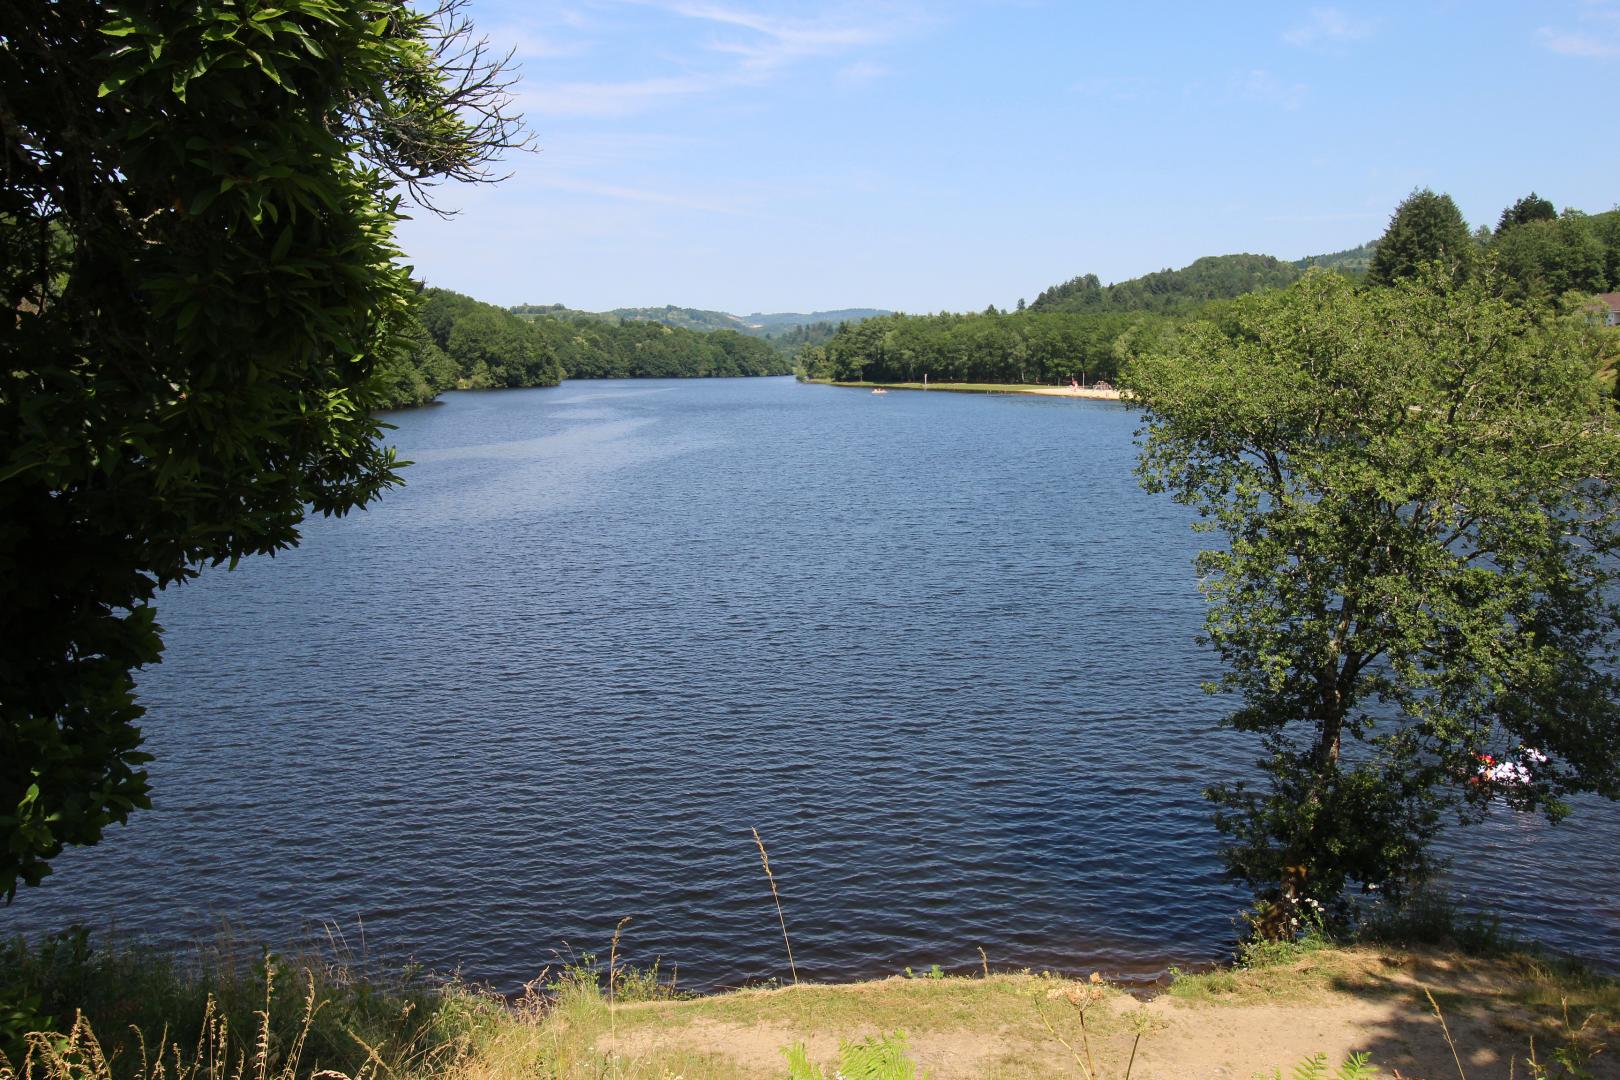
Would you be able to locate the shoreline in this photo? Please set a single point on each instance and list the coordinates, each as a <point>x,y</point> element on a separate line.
<point>1084,393</point>
<point>1278,1005</point>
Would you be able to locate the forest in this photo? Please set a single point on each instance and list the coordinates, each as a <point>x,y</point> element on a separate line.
<point>456,342</point>
<point>1082,328</point>
<point>1019,347</point>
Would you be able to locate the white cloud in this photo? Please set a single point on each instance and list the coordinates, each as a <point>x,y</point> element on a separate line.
<point>755,47</point>
<point>1596,38</point>
<point>832,32</point>
<point>1327,25</point>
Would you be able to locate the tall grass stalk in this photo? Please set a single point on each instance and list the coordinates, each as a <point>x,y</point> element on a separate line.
<point>765,861</point>
<point>1446,1031</point>
<point>613,979</point>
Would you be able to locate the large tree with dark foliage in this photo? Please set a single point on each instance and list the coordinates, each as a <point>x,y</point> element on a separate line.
<point>199,281</point>
<point>1425,228</point>
<point>1530,208</point>
<point>1415,599</point>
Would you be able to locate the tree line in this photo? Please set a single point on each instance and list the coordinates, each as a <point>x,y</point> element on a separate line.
<point>994,347</point>
<point>456,342</point>
<point>1084,328</point>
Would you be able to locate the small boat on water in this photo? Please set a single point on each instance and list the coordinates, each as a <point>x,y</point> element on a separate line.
<point>879,390</point>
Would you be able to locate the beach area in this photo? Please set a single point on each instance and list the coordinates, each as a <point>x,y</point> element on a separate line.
<point>1102,393</point>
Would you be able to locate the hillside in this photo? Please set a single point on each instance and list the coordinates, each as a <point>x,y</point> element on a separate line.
<point>682,318</point>
<point>1355,259</point>
<point>702,320</point>
<point>1213,277</point>
<point>784,320</point>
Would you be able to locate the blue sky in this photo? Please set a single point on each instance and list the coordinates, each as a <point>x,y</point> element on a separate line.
<point>752,156</point>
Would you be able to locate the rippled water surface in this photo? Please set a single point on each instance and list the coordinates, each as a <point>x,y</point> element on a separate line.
<point>939,649</point>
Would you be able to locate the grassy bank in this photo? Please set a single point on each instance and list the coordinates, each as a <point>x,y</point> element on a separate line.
<point>217,1015</point>
<point>982,388</point>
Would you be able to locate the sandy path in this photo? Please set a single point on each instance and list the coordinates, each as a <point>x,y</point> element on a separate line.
<point>1332,1004</point>
<point>1068,391</point>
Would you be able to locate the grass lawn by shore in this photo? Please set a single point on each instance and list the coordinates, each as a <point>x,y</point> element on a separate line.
<point>1280,1006</point>
<point>986,388</point>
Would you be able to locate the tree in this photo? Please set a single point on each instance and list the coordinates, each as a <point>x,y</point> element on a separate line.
<point>1530,208</point>
<point>1545,259</point>
<point>199,281</point>
<point>1414,603</point>
<point>1425,228</point>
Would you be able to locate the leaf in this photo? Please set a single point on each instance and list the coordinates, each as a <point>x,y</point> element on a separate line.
<point>282,245</point>
<point>121,27</point>
<point>114,84</point>
<point>203,200</point>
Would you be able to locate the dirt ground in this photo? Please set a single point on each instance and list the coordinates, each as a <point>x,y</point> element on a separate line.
<point>1237,1025</point>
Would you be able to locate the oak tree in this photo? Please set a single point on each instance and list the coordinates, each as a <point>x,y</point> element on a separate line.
<point>1415,597</point>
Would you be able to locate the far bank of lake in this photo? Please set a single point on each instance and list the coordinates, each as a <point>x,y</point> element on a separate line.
<point>1084,392</point>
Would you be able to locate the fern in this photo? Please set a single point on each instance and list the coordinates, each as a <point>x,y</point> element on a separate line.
<point>1356,1067</point>
<point>799,1066</point>
<point>1312,1068</point>
<point>878,1057</point>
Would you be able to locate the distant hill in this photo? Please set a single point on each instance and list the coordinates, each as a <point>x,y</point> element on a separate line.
<point>684,318</point>
<point>701,320</point>
<point>530,312</point>
<point>1351,259</point>
<point>784,320</point>
<point>1213,277</point>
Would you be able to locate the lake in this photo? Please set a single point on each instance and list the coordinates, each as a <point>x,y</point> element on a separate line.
<point>938,648</point>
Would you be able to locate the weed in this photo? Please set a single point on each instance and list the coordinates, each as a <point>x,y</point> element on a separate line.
<point>934,972</point>
<point>877,1057</point>
<point>1355,1067</point>
<point>765,861</point>
<point>1083,998</point>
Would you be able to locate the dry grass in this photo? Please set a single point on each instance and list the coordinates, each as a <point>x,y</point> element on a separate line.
<point>616,1022</point>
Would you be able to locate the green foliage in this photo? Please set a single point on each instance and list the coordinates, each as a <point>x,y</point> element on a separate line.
<point>1351,261</point>
<point>877,1057</point>
<point>203,298</point>
<point>488,345</point>
<point>1547,257</point>
<point>416,373</point>
<point>681,318</point>
<point>1213,277</point>
<point>1415,489</point>
<point>1425,228</point>
<point>604,347</point>
<point>1355,1067</point>
<point>1530,208</point>
<point>585,978</point>
<point>796,338</point>
<point>1024,347</point>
